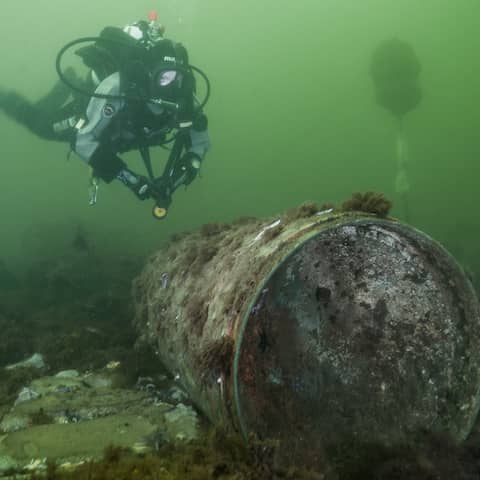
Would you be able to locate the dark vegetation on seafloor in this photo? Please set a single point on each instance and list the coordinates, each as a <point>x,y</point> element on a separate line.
<point>226,456</point>
<point>76,310</point>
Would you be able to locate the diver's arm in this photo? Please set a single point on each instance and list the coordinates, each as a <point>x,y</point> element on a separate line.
<point>184,162</point>
<point>39,117</point>
<point>199,137</point>
<point>21,110</point>
<point>32,116</point>
<point>187,165</point>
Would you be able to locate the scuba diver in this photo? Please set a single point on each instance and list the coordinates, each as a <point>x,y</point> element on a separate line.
<point>139,92</point>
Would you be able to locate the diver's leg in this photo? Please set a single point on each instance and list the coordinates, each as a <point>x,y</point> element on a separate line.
<point>24,112</point>
<point>59,94</point>
<point>37,117</point>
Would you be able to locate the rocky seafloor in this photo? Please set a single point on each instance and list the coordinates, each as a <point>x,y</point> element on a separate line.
<point>80,399</point>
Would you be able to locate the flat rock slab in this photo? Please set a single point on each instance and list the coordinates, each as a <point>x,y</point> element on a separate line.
<point>76,441</point>
<point>84,417</point>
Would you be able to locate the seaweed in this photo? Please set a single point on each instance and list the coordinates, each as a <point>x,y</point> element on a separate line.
<point>40,417</point>
<point>135,363</point>
<point>190,255</point>
<point>178,236</point>
<point>85,348</point>
<point>245,220</point>
<point>369,202</point>
<point>12,381</point>
<point>212,229</point>
<point>14,344</point>
<point>205,254</point>
<point>216,358</point>
<point>217,455</point>
<point>236,243</point>
<point>327,206</point>
<point>305,210</point>
<point>198,256</point>
<point>272,233</point>
<point>197,314</point>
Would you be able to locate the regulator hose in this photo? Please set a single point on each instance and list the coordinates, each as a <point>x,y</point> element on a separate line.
<point>81,91</point>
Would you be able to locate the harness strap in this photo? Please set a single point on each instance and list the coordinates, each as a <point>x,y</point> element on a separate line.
<point>145,153</point>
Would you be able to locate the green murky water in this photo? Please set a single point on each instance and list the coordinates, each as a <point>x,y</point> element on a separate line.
<point>292,117</point>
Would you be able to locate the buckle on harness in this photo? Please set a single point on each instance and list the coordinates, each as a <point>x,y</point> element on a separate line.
<point>68,124</point>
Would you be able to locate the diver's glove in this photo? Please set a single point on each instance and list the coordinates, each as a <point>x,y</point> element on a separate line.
<point>138,184</point>
<point>190,165</point>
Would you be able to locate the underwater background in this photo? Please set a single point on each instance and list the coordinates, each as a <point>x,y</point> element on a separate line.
<point>292,118</point>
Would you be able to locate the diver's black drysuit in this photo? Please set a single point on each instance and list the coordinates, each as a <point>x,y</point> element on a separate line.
<point>98,129</point>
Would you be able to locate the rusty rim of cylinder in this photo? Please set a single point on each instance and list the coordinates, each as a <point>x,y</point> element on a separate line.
<point>392,225</point>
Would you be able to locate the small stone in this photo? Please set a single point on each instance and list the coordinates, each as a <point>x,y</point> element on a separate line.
<point>25,395</point>
<point>53,385</point>
<point>36,464</point>
<point>182,423</point>
<point>67,374</point>
<point>70,466</point>
<point>62,420</point>
<point>112,365</point>
<point>140,447</point>
<point>35,361</point>
<point>177,395</point>
<point>97,381</point>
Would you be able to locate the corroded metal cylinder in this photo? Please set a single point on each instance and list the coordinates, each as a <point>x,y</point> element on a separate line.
<point>315,327</point>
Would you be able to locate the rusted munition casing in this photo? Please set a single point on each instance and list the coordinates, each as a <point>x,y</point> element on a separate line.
<point>313,329</point>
